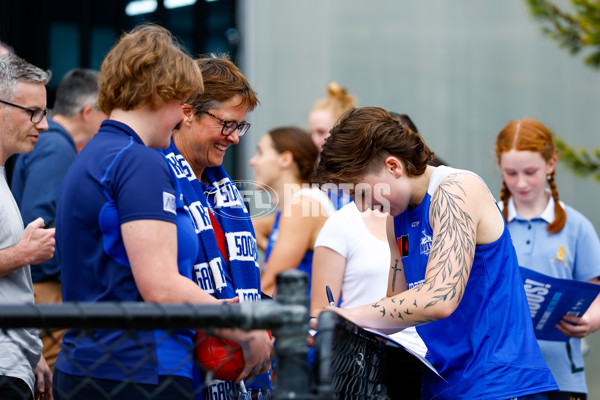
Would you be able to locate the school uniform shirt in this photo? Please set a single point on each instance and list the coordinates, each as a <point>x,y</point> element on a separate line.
<point>486,349</point>
<point>114,180</point>
<point>571,253</point>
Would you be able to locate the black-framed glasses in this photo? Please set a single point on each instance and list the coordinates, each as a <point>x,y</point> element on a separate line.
<point>228,127</point>
<point>37,115</point>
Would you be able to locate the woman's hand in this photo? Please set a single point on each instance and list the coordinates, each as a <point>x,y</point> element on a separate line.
<point>234,300</point>
<point>258,352</point>
<point>312,324</point>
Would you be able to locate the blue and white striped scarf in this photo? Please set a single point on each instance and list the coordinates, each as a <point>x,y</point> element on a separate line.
<point>242,276</point>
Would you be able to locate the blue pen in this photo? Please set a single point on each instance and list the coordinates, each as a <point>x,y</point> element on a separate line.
<point>329,296</point>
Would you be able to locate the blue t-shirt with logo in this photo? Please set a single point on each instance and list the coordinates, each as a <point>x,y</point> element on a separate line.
<point>116,179</point>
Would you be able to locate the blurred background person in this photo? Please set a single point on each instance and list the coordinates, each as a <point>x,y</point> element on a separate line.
<point>551,238</point>
<point>326,111</point>
<point>284,161</point>
<point>37,176</point>
<point>226,265</point>
<point>321,119</point>
<point>23,373</point>
<point>123,233</point>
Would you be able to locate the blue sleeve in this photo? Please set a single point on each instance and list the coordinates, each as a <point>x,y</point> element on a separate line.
<point>143,186</point>
<point>587,254</point>
<point>41,174</point>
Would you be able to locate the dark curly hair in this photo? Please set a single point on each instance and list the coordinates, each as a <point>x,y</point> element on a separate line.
<point>360,142</point>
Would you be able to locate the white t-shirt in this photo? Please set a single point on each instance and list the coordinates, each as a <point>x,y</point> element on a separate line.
<point>367,257</point>
<point>20,349</point>
<point>367,264</point>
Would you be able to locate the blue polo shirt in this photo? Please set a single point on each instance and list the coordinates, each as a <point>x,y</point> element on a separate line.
<point>572,253</point>
<point>116,179</point>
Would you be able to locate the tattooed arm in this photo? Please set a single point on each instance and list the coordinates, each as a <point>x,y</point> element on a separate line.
<point>396,279</point>
<point>461,210</point>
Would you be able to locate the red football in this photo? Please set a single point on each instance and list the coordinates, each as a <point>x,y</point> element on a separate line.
<point>221,356</point>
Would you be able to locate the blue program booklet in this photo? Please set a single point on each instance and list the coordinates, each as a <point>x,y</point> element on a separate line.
<point>551,298</point>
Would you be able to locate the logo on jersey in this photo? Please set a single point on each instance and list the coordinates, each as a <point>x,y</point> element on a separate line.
<point>415,284</point>
<point>425,243</point>
<point>403,245</point>
<point>169,202</point>
<point>560,256</point>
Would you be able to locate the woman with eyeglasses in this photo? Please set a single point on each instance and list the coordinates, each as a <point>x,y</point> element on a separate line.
<point>226,265</point>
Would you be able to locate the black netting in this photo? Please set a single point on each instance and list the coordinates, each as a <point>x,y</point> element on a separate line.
<point>349,363</point>
<point>352,363</point>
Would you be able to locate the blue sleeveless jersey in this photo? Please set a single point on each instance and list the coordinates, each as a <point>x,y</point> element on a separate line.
<point>486,349</point>
<point>306,263</point>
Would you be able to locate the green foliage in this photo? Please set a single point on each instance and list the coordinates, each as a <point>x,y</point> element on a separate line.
<point>577,31</point>
<point>582,162</point>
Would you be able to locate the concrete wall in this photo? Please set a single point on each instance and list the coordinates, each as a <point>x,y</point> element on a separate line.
<point>461,69</point>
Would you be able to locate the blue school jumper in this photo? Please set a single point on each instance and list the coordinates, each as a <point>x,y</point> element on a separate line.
<point>486,349</point>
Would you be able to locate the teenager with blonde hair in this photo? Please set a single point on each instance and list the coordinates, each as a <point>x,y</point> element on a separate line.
<point>326,111</point>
